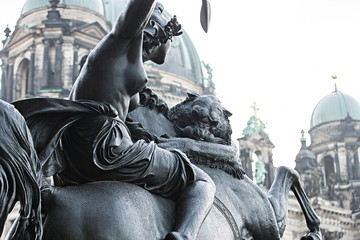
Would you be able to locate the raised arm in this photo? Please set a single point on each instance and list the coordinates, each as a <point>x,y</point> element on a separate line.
<point>131,23</point>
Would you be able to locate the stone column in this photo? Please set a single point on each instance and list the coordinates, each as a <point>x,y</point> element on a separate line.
<point>348,163</point>
<point>30,83</point>
<point>58,65</point>
<point>246,162</point>
<point>337,165</point>
<point>356,164</point>
<point>4,81</point>
<point>75,62</point>
<point>10,92</point>
<point>46,66</point>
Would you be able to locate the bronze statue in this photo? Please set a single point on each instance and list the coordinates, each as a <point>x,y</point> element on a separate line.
<point>114,74</point>
<point>241,210</point>
<point>113,184</point>
<point>96,144</point>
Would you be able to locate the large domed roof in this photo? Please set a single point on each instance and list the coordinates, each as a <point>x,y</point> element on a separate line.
<point>95,5</point>
<point>113,8</point>
<point>182,60</point>
<point>334,107</point>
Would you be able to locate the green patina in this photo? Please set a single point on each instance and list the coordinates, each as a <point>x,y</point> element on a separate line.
<point>335,107</point>
<point>253,125</point>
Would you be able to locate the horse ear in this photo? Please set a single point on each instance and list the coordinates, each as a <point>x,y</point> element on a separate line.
<point>192,95</point>
<point>227,113</point>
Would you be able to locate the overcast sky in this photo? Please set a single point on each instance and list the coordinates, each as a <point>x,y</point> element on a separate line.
<point>279,53</point>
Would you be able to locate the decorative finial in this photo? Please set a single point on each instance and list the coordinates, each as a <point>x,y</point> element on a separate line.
<point>334,77</point>
<point>7,31</point>
<point>302,139</point>
<point>53,16</point>
<point>54,3</point>
<point>255,108</point>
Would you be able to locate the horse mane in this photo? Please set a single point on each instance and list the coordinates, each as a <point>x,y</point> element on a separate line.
<point>232,168</point>
<point>19,175</point>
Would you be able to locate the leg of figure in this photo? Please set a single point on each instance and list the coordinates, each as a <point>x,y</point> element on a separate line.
<point>312,219</point>
<point>193,206</point>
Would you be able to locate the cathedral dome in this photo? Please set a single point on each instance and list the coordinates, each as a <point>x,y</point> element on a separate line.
<point>182,59</point>
<point>335,107</point>
<point>95,5</point>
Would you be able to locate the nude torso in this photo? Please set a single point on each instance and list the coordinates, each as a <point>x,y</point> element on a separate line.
<point>114,76</point>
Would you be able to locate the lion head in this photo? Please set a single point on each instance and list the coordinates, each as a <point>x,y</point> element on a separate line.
<point>202,118</point>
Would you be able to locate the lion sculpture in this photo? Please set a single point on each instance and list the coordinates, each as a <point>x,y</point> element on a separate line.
<point>202,118</point>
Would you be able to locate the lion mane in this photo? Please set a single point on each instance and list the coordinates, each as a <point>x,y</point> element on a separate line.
<point>202,118</point>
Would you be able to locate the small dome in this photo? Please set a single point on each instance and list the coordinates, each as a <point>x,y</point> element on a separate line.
<point>305,153</point>
<point>95,5</point>
<point>305,159</point>
<point>335,107</point>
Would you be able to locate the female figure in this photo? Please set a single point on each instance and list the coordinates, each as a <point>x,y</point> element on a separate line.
<point>100,147</point>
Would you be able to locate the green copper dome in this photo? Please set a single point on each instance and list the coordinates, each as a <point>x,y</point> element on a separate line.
<point>182,59</point>
<point>113,8</point>
<point>335,107</point>
<point>95,5</point>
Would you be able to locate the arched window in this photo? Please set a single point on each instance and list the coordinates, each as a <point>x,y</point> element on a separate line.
<point>259,169</point>
<point>329,170</point>
<point>22,79</point>
<point>254,158</point>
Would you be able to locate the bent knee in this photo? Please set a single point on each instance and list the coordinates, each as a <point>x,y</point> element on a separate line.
<point>203,177</point>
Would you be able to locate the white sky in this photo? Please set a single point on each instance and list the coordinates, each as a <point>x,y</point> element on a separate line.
<point>279,53</point>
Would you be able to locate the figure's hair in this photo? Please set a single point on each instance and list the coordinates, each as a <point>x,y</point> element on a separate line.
<point>156,34</point>
<point>149,43</point>
<point>19,175</point>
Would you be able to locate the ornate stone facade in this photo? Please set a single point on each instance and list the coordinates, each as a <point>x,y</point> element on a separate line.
<point>329,167</point>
